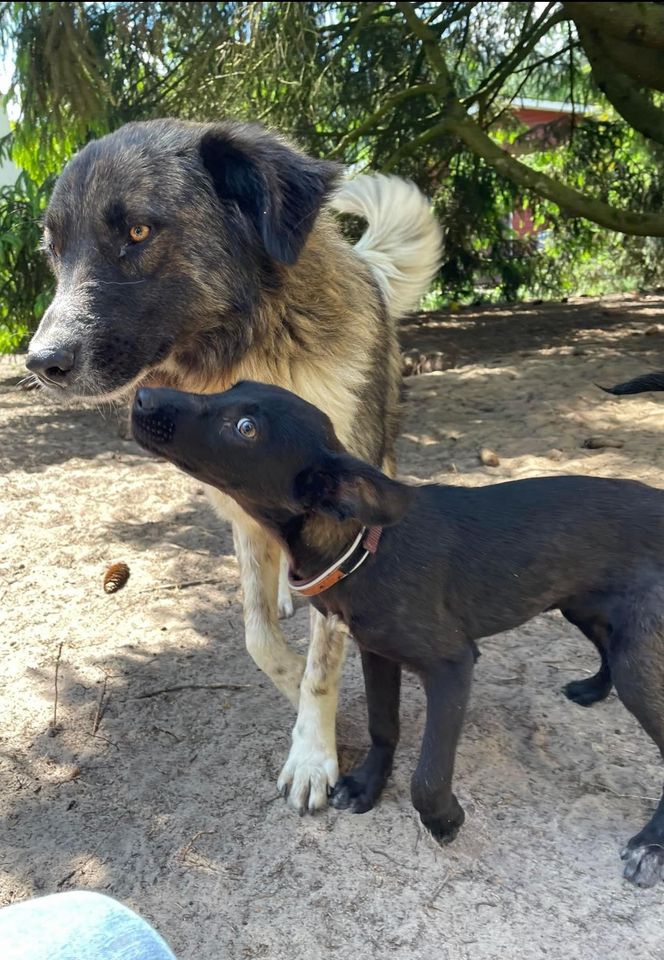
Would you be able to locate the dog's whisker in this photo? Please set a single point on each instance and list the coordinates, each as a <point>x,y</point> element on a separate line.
<point>30,382</point>
<point>112,283</point>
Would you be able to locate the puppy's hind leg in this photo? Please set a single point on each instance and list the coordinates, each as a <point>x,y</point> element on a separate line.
<point>637,666</point>
<point>598,687</point>
<point>447,686</point>
<point>359,790</point>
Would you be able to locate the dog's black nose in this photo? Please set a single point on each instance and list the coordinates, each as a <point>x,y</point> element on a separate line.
<point>54,366</point>
<point>144,400</point>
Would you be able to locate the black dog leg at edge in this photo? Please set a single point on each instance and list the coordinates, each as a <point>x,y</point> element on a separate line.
<point>447,687</point>
<point>359,789</point>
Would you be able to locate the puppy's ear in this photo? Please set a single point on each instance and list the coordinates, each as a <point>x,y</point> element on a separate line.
<point>344,488</point>
<point>277,188</point>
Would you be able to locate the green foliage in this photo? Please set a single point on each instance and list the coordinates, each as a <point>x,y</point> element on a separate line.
<point>352,81</point>
<point>25,281</point>
<point>610,160</point>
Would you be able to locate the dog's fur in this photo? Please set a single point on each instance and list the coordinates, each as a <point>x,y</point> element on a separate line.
<point>453,565</point>
<point>244,274</point>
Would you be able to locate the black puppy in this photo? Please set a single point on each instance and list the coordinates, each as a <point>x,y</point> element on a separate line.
<point>419,574</point>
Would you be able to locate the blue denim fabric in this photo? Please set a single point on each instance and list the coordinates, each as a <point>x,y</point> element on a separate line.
<point>77,925</point>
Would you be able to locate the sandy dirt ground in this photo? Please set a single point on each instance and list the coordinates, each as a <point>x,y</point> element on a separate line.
<point>167,800</point>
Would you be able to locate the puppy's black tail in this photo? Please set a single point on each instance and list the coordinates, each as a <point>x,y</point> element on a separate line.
<point>649,381</point>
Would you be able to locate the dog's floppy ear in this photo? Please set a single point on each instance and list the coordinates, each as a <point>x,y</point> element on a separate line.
<point>277,188</point>
<point>344,488</point>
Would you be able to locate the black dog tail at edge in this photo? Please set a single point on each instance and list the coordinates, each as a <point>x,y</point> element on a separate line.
<point>643,384</point>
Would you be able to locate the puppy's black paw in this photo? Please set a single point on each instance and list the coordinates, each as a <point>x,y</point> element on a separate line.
<point>644,863</point>
<point>587,692</point>
<point>445,829</point>
<point>356,792</point>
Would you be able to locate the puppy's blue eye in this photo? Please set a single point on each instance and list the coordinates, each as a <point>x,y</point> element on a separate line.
<point>247,428</point>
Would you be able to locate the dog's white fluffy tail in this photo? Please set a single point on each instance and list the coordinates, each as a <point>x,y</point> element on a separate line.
<point>402,242</point>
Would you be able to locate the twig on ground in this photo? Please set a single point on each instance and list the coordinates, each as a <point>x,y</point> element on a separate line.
<point>192,857</point>
<point>181,586</point>
<point>201,553</point>
<point>194,686</point>
<point>100,707</point>
<point>62,882</point>
<point>623,796</point>
<point>381,853</point>
<point>81,867</point>
<point>54,721</point>
<point>167,732</point>
<point>434,896</point>
<point>98,736</point>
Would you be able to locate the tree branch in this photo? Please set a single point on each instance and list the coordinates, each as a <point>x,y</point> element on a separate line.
<point>640,112</point>
<point>412,146</point>
<point>641,23</point>
<point>642,64</point>
<point>457,122</point>
<point>442,26</point>
<point>387,105</point>
<point>575,203</point>
<point>551,58</point>
<point>526,45</point>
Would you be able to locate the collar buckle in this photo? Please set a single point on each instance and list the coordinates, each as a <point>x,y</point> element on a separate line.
<point>364,545</point>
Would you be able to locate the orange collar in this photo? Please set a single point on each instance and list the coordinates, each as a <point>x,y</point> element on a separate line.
<point>364,544</point>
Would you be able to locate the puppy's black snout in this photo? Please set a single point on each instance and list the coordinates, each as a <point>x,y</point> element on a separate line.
<point>55,366</point>
<point>144,400</point>
<point>153,419</point>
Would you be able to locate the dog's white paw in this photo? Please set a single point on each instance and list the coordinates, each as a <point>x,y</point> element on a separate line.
<point>285,605</point>
<point>308,775</point>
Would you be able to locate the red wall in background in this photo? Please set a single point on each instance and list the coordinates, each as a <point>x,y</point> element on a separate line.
<point>532,117</point>
<point>522,218</point>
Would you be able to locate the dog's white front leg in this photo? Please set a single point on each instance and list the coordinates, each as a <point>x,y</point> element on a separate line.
<point>285,603</point>
<point>312,766</point>
<point>259,558</point>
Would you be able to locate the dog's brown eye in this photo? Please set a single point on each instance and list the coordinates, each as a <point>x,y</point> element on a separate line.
<point>247,428</point>
<point>139,232</point>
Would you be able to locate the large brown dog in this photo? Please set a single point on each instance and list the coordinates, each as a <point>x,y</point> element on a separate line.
<point>198,255</point>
